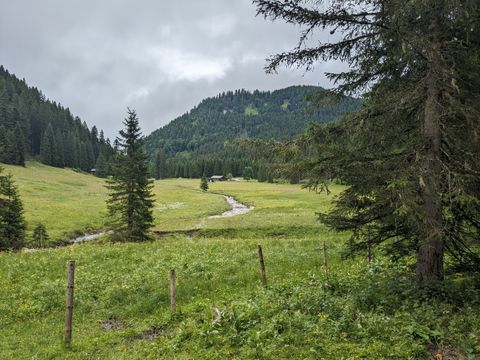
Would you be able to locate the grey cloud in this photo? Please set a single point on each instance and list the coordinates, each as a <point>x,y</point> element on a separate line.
<point>162,58</point>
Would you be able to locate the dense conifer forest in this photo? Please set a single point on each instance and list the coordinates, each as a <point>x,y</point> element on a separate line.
<point>204,140</point>
<point>33,126</point>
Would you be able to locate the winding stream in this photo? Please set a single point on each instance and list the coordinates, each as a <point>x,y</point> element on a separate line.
<point>237,208</point>
<point>87,237</point>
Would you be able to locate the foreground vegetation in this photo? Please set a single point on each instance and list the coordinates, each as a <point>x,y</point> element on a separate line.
<point>360,310</point>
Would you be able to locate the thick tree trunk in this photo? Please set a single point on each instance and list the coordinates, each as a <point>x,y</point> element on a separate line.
<point>431,248</point>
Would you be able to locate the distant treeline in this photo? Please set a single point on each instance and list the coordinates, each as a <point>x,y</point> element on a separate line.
<point>204,141</point>
<point>241,166</point>
<point>33,126</point>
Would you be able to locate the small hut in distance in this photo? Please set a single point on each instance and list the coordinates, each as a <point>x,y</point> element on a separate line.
<point>214,178</point>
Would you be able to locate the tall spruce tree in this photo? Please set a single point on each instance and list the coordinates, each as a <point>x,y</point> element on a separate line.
<point>204,183</point>
<point>3,143</point>
<point>60,149</point>
<point>90,159</point>
<point>10,149</point>
<point>101,165</point>
<point>130,200</point>
<point>40,235</point>
<point>20,147</point>
<point>410,156</point>
<point>160,170</point>
<point>12,222</point>
<point>48,148</point>
<point>248,173</point>
<point>83,158</point>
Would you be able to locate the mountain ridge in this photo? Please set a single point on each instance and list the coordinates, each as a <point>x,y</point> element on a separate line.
<point>279,114</point>
<point>203,140</point>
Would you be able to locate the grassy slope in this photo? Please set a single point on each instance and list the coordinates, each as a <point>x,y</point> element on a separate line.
<point>71,203</point>
<point>360,311</point>
<point>67,202</point>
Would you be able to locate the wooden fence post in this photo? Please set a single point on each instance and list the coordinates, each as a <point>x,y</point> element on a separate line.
<point>262,266</point>
<point>325,263</point>
<point>69,307</point>
<point>173,291</point>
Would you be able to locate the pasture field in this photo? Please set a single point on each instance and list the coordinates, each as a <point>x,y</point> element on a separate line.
<point>359,310</point>
<point>70,203</point>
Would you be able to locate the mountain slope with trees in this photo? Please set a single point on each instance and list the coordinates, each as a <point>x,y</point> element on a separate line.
<point>202,140</point>
<point>33,126</point>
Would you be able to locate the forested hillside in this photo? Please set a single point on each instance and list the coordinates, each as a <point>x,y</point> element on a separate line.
<point>200,141</point>
<point>33,126</point>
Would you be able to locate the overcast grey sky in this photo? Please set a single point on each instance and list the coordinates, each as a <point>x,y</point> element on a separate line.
<point>159,57</point>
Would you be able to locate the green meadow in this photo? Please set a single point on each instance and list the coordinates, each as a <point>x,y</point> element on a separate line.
<point>71,203</point>
<point>358,310</point>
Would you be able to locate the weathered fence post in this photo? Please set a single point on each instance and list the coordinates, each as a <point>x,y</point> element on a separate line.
<point>69,307</point>
<point>173,291</point>
<point>325,263</point>
<point>262,266</point>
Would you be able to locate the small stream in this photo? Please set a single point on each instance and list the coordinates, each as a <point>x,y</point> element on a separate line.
<point>237,208</point>
<point>87,237</point>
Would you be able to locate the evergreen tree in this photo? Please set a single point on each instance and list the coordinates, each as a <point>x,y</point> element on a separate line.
<point>102,138</point>
<point>77,153</point>
<point>130,200</point>
<point>69,150</point>
<point>294,178</point>
<point>204,183</point>
<point>160,170</point>
<point>40,235</point>
<point>12,223</point>
<point>410,156</point>
<point>20,147</point>
<point>4,103</point>
<point>248,173</point>
<point>10,155</point>
<point>270,179</point>
<point>60,149</point>
<point>83,157</point>
<point>48,149</point>
<point>3,143</point>
<point>101,166</point>
<point>90,157</point>
<point>261,174</point>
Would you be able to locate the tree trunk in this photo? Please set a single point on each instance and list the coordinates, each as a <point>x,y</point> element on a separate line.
<point>431,247</point>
